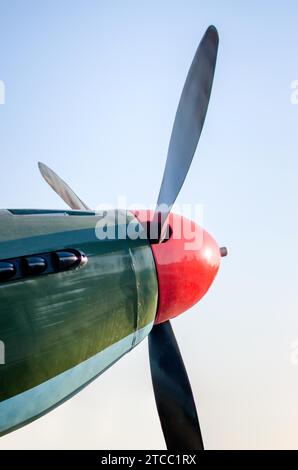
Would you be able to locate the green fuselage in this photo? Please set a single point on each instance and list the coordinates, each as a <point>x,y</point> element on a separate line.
<point>61,330</point>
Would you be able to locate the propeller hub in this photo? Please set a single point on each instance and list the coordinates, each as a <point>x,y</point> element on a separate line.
<point>186,265</point>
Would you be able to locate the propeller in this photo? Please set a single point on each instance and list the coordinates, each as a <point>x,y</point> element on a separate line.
<point>173,394</point>
<point>189,121</point>
<point>61,188</point>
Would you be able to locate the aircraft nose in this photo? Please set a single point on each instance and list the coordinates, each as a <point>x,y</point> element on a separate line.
<point>186,266</point>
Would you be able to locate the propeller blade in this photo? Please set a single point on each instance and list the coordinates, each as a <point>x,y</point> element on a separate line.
<point>173,395</point>
<point>189,120</point>
<point>61,188</point>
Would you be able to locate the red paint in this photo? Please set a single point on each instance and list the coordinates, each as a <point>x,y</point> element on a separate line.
<point>186,265</point>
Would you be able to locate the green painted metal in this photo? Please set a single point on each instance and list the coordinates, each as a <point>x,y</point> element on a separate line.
<point>51,323</point>
<point>25,407</point>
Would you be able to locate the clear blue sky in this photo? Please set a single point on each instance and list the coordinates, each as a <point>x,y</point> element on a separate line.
<point>91,89</point>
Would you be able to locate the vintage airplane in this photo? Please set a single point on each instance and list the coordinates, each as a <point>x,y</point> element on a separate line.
<point>72,304</point>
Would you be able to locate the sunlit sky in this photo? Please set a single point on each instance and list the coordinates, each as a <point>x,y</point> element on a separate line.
<point>91,89</point>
